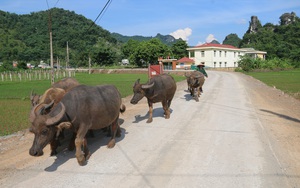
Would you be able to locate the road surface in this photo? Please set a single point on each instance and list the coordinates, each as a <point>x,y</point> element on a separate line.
<point>241,133</point>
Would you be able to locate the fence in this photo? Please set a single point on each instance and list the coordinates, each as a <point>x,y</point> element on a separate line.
<point>35,75</point>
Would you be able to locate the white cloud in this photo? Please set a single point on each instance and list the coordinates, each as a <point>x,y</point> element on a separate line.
<point>182,33</point>
<point>210,38</point>
<point>241,21</point>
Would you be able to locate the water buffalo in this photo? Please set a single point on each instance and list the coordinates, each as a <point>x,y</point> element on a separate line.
<point>66,84</point>
<point>195,82</point>
<point>81,109</point>
<point>160,88</point>
<point>54,93</point>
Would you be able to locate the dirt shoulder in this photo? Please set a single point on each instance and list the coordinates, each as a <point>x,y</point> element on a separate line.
<point>279,113</point>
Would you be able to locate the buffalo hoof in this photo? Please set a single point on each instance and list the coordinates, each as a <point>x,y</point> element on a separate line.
<point>111,143</point>
<point>81,160</point>
<point>197,99</point>
<point>87,156</point>
<point>149,120</point>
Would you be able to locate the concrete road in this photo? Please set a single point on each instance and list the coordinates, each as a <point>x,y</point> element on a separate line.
<point>219,141</point>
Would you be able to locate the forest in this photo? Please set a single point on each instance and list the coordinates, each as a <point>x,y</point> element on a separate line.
<point>25,39</point>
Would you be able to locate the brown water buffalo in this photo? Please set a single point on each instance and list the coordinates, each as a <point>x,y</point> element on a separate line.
<point>160,88</point>
<point>81,109</point>
<point>54,93</point>
<point>195,82</point>
<point>66,84</point>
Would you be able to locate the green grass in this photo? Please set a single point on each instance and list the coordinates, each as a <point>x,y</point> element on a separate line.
<point>15,103</point>
<point>287,81</point>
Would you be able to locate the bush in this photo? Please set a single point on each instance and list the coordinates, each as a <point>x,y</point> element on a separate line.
<point>248,64</point>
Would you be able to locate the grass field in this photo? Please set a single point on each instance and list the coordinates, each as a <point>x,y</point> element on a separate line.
<point>15,103</point>
<point>287,81</point>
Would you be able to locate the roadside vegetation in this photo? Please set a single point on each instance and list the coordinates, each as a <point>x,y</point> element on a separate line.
<point>15,102</point>
<point>287,81</point>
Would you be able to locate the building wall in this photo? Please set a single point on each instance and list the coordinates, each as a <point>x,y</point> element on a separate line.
<point>217,58</point>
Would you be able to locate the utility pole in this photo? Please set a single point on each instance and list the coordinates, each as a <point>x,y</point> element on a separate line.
<point>67,62</point>
<point>51,48</point>
<point>89,65</point>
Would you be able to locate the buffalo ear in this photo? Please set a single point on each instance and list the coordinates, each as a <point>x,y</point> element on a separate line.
<point>46,108</point>
<point>147,86</point>
<point>58,117</point>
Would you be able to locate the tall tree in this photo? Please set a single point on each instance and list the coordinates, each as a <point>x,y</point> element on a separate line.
<point>179,49</point>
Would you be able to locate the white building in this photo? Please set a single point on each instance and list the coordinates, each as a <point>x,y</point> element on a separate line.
<point>219,55</point>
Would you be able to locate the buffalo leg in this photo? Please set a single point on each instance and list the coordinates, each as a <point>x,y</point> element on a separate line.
<point>166,109</point>
<point>199,89</point>
<point>54,145</point>
<point>79,143</point>
<point>150,104</point>
<point>114,129</point>
<point>72,142</point>
<point>86,151</point>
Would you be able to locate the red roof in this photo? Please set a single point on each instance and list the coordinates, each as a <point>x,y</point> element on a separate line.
<point>216,45</point>
<point>186,60</point>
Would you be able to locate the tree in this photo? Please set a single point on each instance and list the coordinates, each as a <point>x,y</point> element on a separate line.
<point>148,52</point>
<point>179,49</point>
<point>232,39</point>
<point>128,50</point>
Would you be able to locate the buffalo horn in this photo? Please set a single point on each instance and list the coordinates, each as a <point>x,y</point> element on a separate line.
<point>55,119</point>
<point>136,82</point>
<point>33,113</point>
<point>147,86</point>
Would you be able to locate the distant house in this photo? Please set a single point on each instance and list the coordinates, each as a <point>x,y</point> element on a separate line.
<point>184,63</point>
<point>220,56</point>
<point>168,64</point>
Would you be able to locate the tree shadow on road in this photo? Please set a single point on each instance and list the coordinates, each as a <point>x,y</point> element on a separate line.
<point>100,138</point>
<point>281,115</point>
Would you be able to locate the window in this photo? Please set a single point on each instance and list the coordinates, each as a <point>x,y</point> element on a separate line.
<point>220,53</point>
<point>220,64</point>
<point>202,54</point>
<point>215,53</point>
<point>192,53</point>
<point>225,53</point>
<point>234,64</point>
<point>225,64</point>
<point>215,63</point>
<point>234,54</point>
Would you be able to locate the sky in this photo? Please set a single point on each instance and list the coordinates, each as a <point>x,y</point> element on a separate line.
<point>195,21</point>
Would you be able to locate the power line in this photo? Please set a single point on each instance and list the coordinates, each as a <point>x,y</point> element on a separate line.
<point>54,4</point>
<point>101,13</point>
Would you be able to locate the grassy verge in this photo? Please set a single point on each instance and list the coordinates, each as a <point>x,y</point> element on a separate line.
<point>15,103</point>
<point>287,81</point>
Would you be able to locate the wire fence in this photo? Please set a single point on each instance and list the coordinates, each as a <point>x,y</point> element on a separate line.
<point>30,75</point>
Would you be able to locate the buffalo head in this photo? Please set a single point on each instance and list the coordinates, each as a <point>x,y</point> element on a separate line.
<point>43,127</point>
<point>139,91</point>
